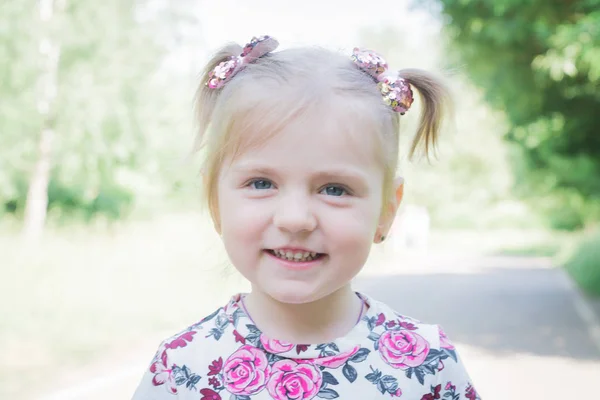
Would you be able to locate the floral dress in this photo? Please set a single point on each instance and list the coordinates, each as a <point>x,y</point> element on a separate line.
<point>386,355</point>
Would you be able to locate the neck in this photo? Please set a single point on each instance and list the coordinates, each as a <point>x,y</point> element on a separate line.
<point>319,321</point>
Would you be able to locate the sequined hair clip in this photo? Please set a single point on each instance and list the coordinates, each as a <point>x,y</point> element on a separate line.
<point>258,47</point>
<point>396,91</point>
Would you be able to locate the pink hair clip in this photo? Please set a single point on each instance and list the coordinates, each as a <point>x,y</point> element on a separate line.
<point>258,47</point>
<point>396,91</point>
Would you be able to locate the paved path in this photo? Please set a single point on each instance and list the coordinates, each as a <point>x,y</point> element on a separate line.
<point>515,321</point>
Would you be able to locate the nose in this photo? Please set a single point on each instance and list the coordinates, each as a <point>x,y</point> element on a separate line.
<point>294,215</point>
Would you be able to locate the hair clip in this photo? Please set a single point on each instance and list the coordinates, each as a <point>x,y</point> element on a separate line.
<point>258,47</point>
<point>396,91</point>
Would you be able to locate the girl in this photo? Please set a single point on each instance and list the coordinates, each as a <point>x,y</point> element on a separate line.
<point>302,149</point>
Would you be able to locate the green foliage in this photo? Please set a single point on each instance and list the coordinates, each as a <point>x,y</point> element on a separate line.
<point>116,105</point>
<point>110,201</point>
<point>584,265</point>
<point>469,184</point>
<point>18,114</point>
<point>539,62</point>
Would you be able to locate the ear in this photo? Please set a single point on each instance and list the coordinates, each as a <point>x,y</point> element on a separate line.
<point>389,211</point>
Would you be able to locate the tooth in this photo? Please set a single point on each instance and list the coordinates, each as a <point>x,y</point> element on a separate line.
<point>298,257</point>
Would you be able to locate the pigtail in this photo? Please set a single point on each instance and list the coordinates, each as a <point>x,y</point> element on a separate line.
<point>206,98</point>
<point>204,106</point>
<point>437,104</point>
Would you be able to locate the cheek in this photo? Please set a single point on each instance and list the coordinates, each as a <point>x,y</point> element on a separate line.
<point>352,230</point>
<point>241,220</point>
<point>240,231</point>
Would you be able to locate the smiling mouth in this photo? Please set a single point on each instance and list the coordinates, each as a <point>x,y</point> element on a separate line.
<point>297,256</point>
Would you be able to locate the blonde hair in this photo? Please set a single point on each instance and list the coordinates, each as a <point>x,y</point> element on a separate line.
<point>288,84</point>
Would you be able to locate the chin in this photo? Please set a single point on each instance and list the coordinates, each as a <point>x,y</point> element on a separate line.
<point>292,293</point>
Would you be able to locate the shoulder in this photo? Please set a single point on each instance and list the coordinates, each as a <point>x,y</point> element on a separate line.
<point>408,344</point>
<point>392,320</point>
<point>203,332</point>
<point>183,358</point>
<point>422,350</point>
<point>190,353</point>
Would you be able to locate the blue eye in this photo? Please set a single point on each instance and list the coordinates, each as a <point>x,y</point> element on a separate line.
<point>261,184</point>
<point>333,190</point>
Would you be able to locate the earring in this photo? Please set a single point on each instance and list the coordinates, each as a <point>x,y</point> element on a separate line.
<point>382,238</point>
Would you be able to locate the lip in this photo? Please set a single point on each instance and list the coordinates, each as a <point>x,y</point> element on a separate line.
<point>296,265</point>
<point>295,249</point>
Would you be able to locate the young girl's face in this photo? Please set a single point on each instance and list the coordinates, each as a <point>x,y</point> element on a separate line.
<point>314,187</point>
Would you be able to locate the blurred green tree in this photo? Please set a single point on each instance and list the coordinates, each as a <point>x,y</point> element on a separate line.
<point>470,183</point>
<point>539,62</point>
<point>85,109</point>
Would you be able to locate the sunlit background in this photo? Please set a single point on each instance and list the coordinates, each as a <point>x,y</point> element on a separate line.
<point>105,249</point>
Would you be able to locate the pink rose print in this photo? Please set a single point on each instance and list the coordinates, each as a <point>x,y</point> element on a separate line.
<point>440,365</point>
<point>292,380</point>
<point>337,360</point>
<point>403,349</point>
<point>380,319</point>
<point>275,346</point>
<point>209,394</point>
<point>398,393</point>
<point>246,371</point>
<point>444,341</point>
<point>162,374</point>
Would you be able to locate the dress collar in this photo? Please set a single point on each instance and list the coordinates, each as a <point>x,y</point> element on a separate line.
<point>246,332</point>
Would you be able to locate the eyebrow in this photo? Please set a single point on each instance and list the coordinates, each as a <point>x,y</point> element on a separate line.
<point>255,169</point>
<point>334,173</point>
<point>342,173</point>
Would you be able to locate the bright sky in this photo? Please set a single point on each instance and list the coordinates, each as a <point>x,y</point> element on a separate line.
<point>327,23</point>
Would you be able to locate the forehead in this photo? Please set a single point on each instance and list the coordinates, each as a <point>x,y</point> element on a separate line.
<point>335,133</point>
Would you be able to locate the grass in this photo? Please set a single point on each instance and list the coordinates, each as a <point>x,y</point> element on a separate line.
<point>86,293</point>
<point>81,294</point>
<point>584,264</point>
